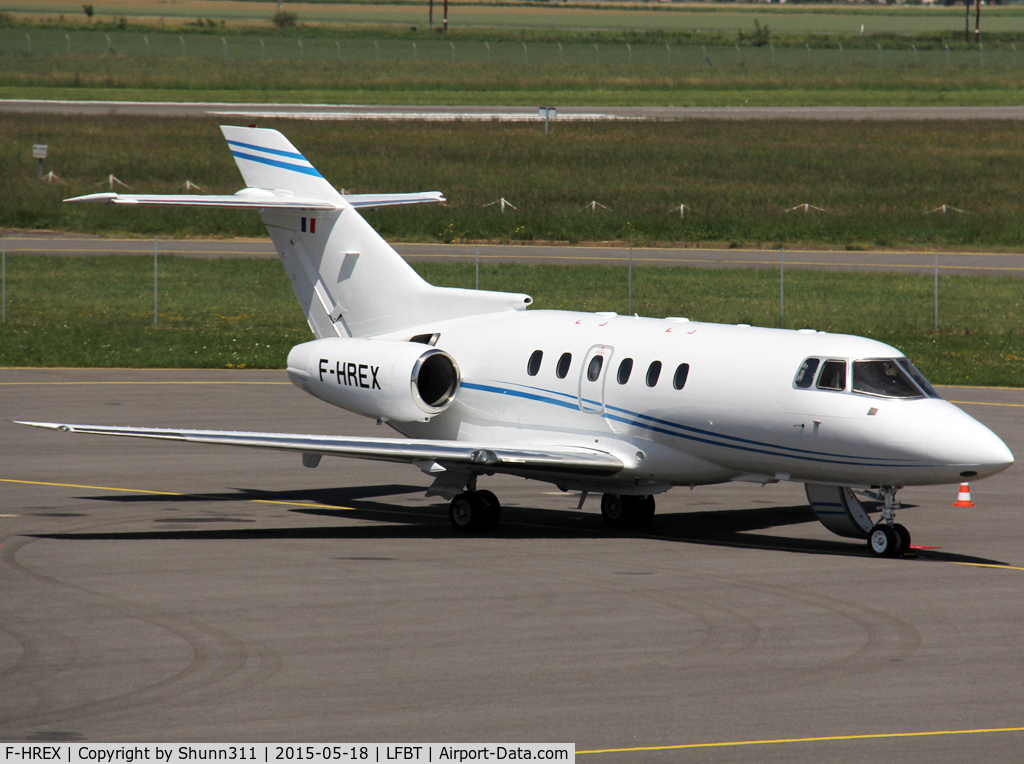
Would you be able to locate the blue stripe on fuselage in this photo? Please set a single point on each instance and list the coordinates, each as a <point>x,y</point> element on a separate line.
<point>660,426</point>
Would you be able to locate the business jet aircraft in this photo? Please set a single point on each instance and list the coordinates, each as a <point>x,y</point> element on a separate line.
<point>592,402</point>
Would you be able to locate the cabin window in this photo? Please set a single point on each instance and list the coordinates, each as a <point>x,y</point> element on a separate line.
<point>885,378</point>
<point>679,378</point>
<point>594,367</point>
<point>918,377</point>
<point>534,365</point>
<point>563,365</point>
<point>805,376</point>
<point>833,376</point>
<point>653,372</point>
<point>625,369</point>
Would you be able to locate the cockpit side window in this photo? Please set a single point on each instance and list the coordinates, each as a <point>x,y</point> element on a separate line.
<point>805,375</point>
<point>883,377</point>
<point>833,376</point>
<point>918,377</point>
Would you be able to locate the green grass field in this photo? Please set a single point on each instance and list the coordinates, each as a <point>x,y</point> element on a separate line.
<point>737,179</point>
<point>98,311</point>
<point>817,18</point>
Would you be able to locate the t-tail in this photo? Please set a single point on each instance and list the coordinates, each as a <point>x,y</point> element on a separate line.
<point>349,281</point>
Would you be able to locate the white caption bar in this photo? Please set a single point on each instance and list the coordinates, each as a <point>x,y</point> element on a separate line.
<point>319,753</point>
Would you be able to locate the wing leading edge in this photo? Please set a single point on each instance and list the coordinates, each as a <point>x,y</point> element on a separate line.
<point>447,453</point>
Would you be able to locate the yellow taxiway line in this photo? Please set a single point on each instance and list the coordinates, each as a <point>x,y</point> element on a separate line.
<point>779,741</point>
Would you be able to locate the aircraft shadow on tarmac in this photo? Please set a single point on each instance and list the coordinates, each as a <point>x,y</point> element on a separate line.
<point>723,527</point>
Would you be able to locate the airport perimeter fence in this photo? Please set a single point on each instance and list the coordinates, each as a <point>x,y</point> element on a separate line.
<point>46,42</point>
<point>151,282</point>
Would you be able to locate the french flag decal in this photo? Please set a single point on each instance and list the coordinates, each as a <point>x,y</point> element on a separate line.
<point>312,225</point>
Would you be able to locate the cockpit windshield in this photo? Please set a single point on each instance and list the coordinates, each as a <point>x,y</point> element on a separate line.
<point>884,377</point>
<point>923,383</point>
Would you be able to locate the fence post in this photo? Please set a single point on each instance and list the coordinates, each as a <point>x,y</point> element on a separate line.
<point>781,289</point>
<point>180,37</point>
<point>263,50</point>
<point>477,266</point>
<point>597,55</point>
<point>453,50</point>
<point>156,285</point>
<point>879,55</point>
<point>629,302</point>
<point>27,37</point>
<point>526,54</point>
<point>376,49</point>
<point>840,54</point>
<point>981,47</point>
<point>110,45</point>
<point>668,50</point>
<point>488,46</point>
<point>739,57</point>
<point>773,53</point>
<point>561,54</point>
<point>415,53</point>
<point>915,53</point>
<point>68,38</point>
<point>808,54</point>
<point>629,49</point>
<point>225,41</point>
<point>146,38</point>
<point>4,268</point>
<point>947,53</point>
<point>936,290</point>
<point>302,50</point>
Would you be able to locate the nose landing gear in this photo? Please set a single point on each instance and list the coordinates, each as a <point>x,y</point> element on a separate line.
<point>888,538</point>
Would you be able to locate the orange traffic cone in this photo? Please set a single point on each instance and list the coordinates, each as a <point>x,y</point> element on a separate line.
<point>963,498</point>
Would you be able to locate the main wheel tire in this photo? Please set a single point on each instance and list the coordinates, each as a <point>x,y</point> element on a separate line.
<point>883,541</point>
<point>614,510</point>
<point>466,512</point>
<point>904,535</point>
<point>492,511</point>
<point>644,511</point>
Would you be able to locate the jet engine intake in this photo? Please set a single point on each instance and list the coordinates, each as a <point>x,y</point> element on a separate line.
<point>383,379</point>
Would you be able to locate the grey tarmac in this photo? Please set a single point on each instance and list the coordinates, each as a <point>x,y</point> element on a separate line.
<point>948,263</point>
<point>507,113</point>
<point>158,591</point>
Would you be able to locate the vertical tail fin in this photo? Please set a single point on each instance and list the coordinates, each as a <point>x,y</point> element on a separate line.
<point>349,281</point>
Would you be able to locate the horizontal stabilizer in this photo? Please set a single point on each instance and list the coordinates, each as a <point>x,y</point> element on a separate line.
<point>375,201</point>
<point>449,453</point>
<point>267,201</point>
<point>262,199</point>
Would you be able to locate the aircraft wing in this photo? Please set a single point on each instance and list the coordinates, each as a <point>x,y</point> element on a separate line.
<point>447,453</point>
<point>259,199</point>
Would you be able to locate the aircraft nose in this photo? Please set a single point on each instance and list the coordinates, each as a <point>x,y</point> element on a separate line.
<point>962,442</point>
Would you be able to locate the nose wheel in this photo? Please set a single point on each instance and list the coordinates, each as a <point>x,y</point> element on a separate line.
<point>888,538</point>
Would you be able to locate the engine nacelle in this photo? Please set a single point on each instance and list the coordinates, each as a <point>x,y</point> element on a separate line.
<point>384,379</point>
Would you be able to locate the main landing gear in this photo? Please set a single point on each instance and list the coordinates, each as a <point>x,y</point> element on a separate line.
<point>622,511</point>
<point>888,538</point>
<point>475,511</point>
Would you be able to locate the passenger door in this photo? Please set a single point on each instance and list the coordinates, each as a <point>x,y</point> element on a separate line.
<point>593,372</point>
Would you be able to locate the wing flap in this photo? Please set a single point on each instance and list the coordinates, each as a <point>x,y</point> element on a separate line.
<point>485,457</point>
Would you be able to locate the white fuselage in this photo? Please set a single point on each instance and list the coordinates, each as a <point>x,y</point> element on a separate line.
<point>738,416</point>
